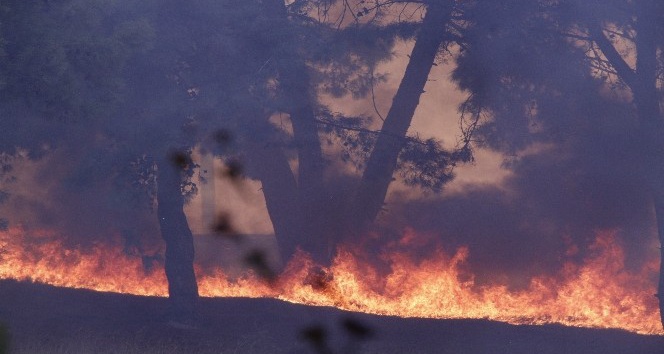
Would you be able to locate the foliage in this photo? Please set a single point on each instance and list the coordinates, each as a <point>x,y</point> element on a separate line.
<point>423,163</point>
<point>514,64</point>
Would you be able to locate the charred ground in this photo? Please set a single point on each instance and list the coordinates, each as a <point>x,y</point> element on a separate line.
<point>45,319</point>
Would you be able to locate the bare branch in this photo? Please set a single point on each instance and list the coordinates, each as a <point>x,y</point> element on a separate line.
<point>373,96</point>
<point>352,12</point>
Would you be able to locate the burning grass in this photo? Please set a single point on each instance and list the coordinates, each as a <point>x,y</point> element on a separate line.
<point>599,293</point>
<point>46,319</point>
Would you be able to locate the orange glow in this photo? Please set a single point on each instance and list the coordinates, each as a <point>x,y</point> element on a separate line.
<point>599,293</point>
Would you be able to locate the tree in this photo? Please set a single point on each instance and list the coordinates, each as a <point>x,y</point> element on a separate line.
<point>66,88</point>
<point>556,49</point>
<point>383,159</point>
<point>141,85</point>
<point>179,92</point>
<point>184,90</point>
<point>327,213</point>
<point>637,25</point>
<point>61,72</point>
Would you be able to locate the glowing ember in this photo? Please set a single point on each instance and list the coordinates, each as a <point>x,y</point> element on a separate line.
<point>599,293</point>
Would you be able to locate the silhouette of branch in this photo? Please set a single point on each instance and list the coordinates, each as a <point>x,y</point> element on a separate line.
<point>373,96</point>
<point>369,131</point>
<point>625,72</point>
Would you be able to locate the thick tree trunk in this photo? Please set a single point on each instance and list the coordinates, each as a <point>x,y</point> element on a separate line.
<point>294,85</point>
<point>659,212</point>
<point>646,99</point>
<point>383,160</point>
<point>179,259</point>
<point>280,192</point>
<point>312,191</point>
<point>643,84</point>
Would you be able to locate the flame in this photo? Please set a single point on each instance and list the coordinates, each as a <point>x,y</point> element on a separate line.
<point>599,293</point>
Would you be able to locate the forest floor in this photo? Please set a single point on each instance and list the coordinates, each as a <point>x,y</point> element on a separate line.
<point>44,319</point>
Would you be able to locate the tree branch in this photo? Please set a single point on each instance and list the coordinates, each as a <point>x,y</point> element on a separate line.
<point>625,72</point>
<point>368,131</point>
<point>373,96</point>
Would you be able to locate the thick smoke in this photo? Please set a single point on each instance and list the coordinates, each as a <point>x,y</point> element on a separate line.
<point>552,202</point>
<point>579,172</point>
<point>577,167</point>
<point>570,139</point>
<point>59,194</point>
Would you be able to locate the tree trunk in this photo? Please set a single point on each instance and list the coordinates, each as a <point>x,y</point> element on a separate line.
<point>280,192</point>
<point>646,99</point>
<point>383,160</point>
<point>312,192</point>
<point>659,213</point>
<point>179,258</point>
<point>643,83</point>
<point>294,85</point>
<point>208,192</point>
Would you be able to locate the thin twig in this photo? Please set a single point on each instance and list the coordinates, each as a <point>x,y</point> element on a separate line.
<point>373,96</point>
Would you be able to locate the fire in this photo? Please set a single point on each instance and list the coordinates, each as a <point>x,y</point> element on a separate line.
<point>44,259</point>
<point>599,293</point>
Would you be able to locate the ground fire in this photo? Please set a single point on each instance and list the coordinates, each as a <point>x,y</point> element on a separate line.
<point>598,293</point>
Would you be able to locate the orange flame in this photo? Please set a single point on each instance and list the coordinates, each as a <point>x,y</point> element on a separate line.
<point>600,293</point>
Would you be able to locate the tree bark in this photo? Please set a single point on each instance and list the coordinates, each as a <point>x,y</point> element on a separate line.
<point>382,162</point>
<point>650,116</point>
<point>312,192</point>
<point>294,85</point>
<point>280,192</point>
<point>179,258</point>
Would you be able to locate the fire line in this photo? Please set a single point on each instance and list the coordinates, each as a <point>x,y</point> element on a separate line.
<point>599,293</point>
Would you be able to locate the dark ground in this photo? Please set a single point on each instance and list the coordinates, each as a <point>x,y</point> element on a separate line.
<point>45,319</point>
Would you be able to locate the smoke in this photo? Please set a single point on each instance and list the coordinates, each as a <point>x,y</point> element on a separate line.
<point>573,163</point>
<point>554,200</point>
<point>584,177</point>
<point>526,209</point>
<point>61,194</point>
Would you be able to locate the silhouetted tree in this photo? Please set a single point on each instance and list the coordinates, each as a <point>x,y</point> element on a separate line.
<point>136,86</point>
<point>549,63</point>
<point>337,61</point>
<point>382,162</point>
<point>60,70</point>
<point>183,91</point>
<point>644,32</point>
